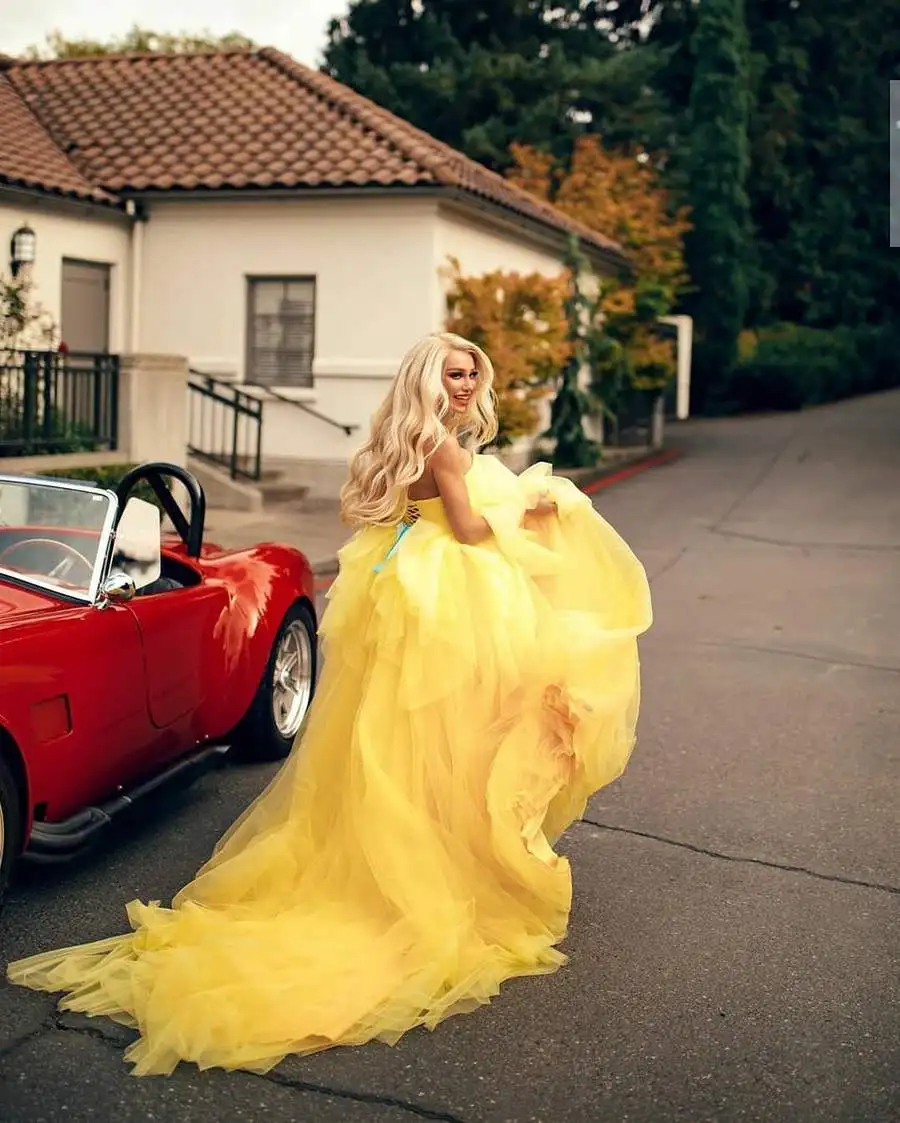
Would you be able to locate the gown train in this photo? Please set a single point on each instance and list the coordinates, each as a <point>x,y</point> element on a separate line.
<point>400,866</point>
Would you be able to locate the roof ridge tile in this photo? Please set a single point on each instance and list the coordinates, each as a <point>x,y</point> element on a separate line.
<point>125,56</point>
<point>170,121</point>
<point>433,156</point>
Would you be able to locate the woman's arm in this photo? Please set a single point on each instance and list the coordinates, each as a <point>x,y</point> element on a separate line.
<point>447,465</point>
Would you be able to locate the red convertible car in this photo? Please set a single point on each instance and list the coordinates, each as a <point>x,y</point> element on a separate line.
<point>128,660</point>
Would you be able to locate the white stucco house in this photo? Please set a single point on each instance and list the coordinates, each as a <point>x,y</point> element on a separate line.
<point>248,213</point>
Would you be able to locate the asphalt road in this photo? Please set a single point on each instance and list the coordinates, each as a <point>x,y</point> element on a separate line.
<point>736,937</point>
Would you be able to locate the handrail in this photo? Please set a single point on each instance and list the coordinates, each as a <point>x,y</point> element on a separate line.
<point>348,429</point>
<point>237,392</point>
<point>240,449</point>
<point>244,389</point>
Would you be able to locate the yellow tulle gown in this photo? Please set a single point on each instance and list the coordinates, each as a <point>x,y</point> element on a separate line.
<point>400,866</point>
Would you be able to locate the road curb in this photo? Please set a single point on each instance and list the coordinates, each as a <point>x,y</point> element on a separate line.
<point>635,468</point>
<point>325,571</point>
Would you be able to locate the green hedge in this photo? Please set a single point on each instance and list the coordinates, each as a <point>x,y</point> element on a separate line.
<point>789,367</point>
<point>105,476</point>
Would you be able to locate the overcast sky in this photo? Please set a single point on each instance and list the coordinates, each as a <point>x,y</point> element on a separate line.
<point>295,26</point>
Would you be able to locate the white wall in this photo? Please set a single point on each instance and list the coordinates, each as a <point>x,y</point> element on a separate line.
<point>481,246</point>
<point>378,264</point>
<point>373,264</point>
<point>370,258</point>
<point>88,234</point>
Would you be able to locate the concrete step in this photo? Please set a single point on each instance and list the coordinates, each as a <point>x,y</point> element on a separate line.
<point>321,505</point>
<point>276,489</point>
<point>280,492</point>
<point>222,491</point>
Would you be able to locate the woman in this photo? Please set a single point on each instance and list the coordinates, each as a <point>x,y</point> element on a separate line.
<point>481,682</point>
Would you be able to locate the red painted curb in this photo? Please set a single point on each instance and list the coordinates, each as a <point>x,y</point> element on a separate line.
<point>323,584</point>
<point>626,473</point>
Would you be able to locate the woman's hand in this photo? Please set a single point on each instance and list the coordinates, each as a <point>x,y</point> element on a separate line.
<point>535,516</point>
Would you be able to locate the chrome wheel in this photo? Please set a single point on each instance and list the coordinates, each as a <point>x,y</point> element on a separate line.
<point>292,679</point>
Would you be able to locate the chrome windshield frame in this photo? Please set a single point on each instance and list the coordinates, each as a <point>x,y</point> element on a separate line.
<point>104,545</point>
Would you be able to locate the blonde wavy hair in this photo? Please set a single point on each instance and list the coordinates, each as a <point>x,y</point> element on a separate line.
<point>409,425</point>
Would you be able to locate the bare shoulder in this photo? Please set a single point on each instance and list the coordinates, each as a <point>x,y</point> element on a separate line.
<point>447,457</point>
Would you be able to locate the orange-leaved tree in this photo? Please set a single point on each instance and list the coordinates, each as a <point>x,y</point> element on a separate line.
<point>620,194</point>
<point>519,319</point>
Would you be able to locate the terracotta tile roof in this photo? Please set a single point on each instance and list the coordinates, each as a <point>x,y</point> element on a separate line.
<point>29,158</point>
<point>245,119</point>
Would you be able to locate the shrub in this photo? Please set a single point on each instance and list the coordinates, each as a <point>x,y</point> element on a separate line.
<point>519,320</point>
<point>788,367</point>
<point>64,435</point>
<point>106,476</point>
<point>103,475</point>
<point>878,348</point>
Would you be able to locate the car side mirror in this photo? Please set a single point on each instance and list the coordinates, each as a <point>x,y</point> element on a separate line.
<point>118,588</point>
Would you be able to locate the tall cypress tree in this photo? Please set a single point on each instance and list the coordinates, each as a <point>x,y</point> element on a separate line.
<point>718,247</point>
<point>817,148</point>
<point>573,448</point>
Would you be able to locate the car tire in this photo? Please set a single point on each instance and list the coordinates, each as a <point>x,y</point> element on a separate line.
<point>285,693</point>
<point>10,825</point>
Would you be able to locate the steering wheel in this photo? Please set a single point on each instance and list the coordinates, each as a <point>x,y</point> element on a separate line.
<point>62,569</point>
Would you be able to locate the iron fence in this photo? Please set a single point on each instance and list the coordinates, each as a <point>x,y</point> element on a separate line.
<point>225,425</point>
<point>53,403</point>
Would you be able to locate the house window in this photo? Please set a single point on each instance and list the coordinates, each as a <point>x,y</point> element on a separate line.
<point>281,331</point>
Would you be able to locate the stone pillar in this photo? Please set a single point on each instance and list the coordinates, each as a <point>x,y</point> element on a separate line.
<point>657,422</point>
<point>685,328</point>
<point>153,408</point>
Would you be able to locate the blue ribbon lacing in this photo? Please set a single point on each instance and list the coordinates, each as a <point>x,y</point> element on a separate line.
<point>398,538</point>
<point>403,528</point>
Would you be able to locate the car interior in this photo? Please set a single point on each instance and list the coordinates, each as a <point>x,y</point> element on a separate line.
<point>174,574</point>
<point>66,556</point>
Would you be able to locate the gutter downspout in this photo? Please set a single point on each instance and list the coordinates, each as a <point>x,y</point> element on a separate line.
<point>137,268</point>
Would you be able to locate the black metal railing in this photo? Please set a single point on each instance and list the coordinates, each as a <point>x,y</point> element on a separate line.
<point>53,403</point>
<point>348,430</point>
<point>225,425</point>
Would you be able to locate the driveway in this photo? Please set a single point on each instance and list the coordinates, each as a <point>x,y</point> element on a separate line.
<point>735,941</point>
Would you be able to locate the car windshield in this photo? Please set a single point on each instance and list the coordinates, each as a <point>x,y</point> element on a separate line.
<point>54,535</point>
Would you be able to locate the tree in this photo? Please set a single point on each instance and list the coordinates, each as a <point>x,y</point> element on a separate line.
<point>571,446</point>
<point>621,194</point>
<point>24,324</point>
<point>136,41</point>
<point>817,76</point>
<point>519,320</point>
<point>717,247</point>
<point>474,75</point>
<point>818,141</point>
